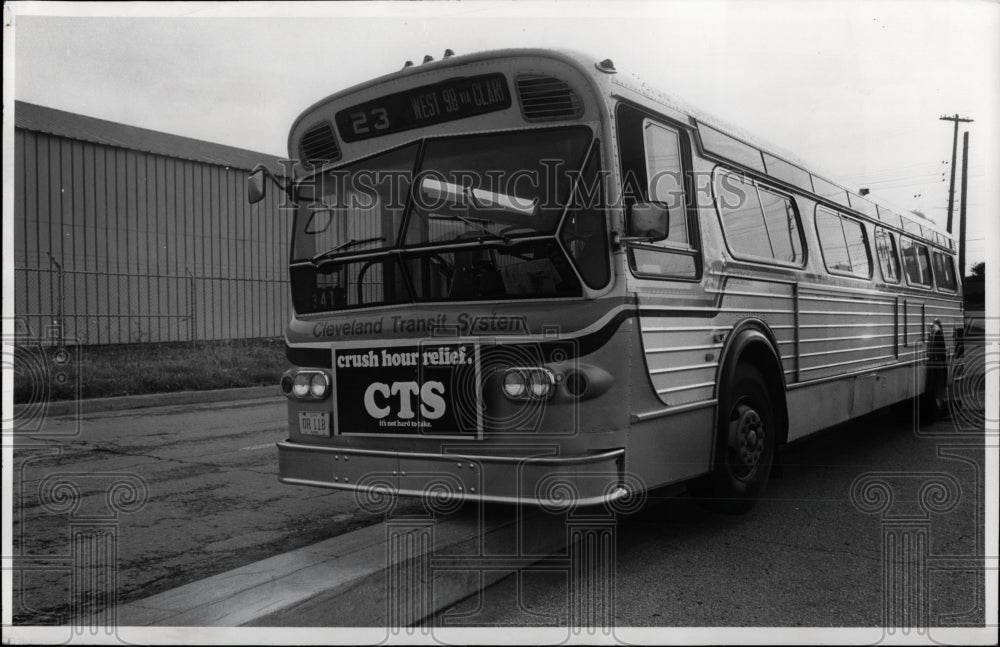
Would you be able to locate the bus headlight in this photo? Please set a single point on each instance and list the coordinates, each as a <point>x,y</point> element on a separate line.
<point>540,384</point>
<point>523,383</point>
<point>513,384</point>
<point>306,384</point>
<point>319,386</point>
<point>300,387</point>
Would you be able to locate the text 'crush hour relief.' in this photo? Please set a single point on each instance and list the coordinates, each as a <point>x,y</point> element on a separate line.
<point>430,389</point>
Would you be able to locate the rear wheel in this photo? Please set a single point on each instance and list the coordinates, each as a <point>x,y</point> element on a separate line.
<point>746,434</point>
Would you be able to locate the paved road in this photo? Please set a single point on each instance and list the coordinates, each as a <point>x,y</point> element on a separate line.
<point>806,556</point>
<point>214,502</point>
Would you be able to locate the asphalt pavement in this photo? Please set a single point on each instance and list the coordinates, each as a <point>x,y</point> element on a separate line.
<point>201,497</point>
<point>811,554</point>
<point>205,499</point>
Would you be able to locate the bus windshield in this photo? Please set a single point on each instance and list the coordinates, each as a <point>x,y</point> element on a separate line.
<point>466,218</point>
<point>492,186</point>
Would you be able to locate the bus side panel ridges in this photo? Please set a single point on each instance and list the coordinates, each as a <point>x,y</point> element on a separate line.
<point>822,338</point>
<point>809,336</point>
<point>680,359</point>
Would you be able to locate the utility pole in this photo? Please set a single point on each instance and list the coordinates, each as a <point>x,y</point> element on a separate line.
<point>954,152</point>
<point>965,199</point>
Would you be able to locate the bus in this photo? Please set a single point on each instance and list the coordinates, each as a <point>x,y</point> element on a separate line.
<point>523,276</point>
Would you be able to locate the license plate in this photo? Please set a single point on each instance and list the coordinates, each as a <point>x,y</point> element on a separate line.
<point>314,423</point>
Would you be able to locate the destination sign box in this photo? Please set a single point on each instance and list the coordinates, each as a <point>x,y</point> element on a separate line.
<point>424,106</point>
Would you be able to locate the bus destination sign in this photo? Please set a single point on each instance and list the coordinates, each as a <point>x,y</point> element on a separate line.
<point>424,106</point>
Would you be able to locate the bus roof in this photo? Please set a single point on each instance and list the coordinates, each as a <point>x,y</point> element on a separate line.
<point>612,81</point>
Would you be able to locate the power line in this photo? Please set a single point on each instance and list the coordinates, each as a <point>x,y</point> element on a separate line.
<point>893,169</point>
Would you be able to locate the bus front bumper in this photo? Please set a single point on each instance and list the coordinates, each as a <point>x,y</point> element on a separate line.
<point>550,481</point>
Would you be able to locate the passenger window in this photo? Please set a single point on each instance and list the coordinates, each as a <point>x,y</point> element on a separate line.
<point>653,162</point>
<point>742,217</point>
<point>888,259</point>
<point>723,145</point>
<point>828,190</point>
<point>647,260</point>
<point>944,271</point>
<point>857,247</point>
<point>758,224</point>
<point>831,241</point>
<point>844,244</point>
<point>663,174</point>
<point>782,226</point>
<point>917,263</point>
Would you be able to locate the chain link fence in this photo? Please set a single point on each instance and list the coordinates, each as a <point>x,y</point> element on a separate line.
<point>97,307</point>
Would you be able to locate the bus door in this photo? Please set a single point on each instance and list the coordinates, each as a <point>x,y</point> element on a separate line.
<point>665,274</point>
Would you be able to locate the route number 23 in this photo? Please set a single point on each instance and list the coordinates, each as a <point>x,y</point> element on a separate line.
<point>364,122</point>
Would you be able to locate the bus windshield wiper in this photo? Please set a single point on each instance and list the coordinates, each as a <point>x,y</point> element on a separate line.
<point>344,245</point>
<point>476,224</point>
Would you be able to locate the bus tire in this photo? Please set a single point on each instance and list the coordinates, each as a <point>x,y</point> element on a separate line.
<point>746,435</point>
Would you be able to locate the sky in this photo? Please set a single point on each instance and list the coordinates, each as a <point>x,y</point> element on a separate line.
<point>854,88</point>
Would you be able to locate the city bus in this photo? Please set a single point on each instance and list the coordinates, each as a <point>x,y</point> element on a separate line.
<point>523,276</point>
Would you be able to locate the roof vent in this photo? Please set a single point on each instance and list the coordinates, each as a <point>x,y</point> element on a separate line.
<point>607,66</point>
<point>544,98</point>
<point>318,145</point>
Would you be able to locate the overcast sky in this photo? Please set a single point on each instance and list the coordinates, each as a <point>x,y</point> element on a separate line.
<point>855,88</point>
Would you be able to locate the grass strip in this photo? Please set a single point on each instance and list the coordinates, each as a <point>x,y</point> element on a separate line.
<point>50,373</point>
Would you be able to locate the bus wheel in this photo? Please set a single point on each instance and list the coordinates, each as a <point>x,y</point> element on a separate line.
<point>744,445</point>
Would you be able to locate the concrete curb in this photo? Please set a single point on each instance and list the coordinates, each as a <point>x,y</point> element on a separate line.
<point>97,405</point>
<point>373,577</point>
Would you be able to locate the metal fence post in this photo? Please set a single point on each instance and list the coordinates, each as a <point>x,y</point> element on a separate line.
<point>57,325</point>
<point>192,307</point>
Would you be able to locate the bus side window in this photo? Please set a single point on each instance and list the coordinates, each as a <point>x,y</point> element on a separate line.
<point>917,263</point>
<point>742,217</point>
<point>945,272</point>
<point>664,176</point>
<point>653,162</point>
<point>759,224</point>
<point>857,247</point>
<point>888,259</point>
<point>782,226</point>
<point>844,244</point>
<point>831,241</point>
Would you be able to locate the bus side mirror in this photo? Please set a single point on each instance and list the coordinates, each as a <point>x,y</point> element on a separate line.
<point>255,186</point>
<point>647,222</point>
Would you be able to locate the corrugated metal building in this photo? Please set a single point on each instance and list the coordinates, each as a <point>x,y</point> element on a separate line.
<point>128,235</point>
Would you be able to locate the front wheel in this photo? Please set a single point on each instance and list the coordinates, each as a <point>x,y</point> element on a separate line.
<point>745,437</point>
